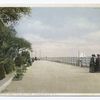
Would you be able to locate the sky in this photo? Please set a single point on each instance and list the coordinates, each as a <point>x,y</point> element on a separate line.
<point>62,32</point>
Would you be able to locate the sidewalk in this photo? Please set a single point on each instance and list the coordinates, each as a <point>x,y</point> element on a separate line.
<point>51,77</point>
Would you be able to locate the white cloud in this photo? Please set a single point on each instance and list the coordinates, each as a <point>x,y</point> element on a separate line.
<point>94,37</point>
<point>61,33</point>
<point>84,23</point>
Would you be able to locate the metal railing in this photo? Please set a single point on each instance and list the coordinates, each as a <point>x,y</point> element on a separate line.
<point>77,61</point>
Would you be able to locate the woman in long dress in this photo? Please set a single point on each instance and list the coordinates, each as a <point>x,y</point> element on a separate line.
<point>92,64</point>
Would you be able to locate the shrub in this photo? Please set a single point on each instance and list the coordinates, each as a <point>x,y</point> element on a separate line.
<point>18,61</point>
<point>2,71</point>
<point>9,66</point>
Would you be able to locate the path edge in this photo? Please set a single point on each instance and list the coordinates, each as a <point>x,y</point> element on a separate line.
<point>8,80</point>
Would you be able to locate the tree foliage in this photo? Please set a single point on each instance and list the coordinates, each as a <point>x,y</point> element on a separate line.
<point>13,14</point>
<point>25,57</point>
<point>22,43</point>
<point>10,44</point>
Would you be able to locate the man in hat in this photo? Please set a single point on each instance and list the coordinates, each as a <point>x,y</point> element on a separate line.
<point>92,64</point>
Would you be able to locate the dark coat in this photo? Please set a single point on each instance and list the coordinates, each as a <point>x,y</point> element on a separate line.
<point>97,64</point>
<point>92,65</point>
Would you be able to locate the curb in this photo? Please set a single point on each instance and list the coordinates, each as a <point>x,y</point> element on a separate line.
<point>6,81</point>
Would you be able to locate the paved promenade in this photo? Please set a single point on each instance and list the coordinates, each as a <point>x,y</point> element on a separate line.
<point>52,77</point>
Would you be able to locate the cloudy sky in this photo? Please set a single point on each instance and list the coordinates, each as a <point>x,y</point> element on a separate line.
<point>62,31</point>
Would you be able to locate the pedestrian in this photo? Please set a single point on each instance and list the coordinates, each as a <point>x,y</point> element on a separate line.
<point>92,64</point>
<point>97,68</point>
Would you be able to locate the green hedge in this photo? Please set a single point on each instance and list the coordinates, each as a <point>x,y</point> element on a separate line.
<point>9,66</point>
<point>18,61</point>
<point>2,72</point>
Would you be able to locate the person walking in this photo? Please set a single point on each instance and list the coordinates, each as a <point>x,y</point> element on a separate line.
<point>92,64</point>
<point>97,68</point>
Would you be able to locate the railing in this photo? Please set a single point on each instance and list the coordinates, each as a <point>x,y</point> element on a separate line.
<point>77,61</point>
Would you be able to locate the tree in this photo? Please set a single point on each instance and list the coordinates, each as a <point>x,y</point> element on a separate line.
<point>16,45</point>
<point>22,43</point>
<point>13,14</point>
<point>9,43</point>
<point>8,40</point>
<point>25,57</point>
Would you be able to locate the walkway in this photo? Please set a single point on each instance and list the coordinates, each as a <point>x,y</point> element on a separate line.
<point>52,77</point>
